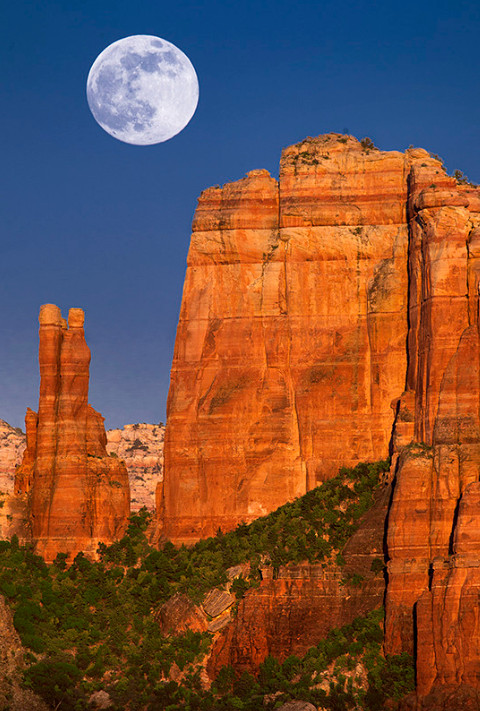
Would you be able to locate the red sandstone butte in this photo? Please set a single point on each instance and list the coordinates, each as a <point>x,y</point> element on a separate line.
<point>291,342</point>
<point>77,494</point>
<point>434,522</point>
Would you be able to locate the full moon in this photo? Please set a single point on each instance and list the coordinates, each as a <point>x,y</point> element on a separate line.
<point>142,90</point>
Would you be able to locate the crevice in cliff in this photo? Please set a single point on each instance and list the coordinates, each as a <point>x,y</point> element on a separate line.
<point>415,639</point>
<point>430,576</point>
<point>290,379</point>
<point>454,526</point>
<point>409,378</point>
<point>293,394</point>
<point>385,527</point>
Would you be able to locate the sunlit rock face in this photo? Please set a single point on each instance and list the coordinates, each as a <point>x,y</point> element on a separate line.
<point>141,448</point>
<point>77,494</point>
<point>291,341</point>
<point>434,521</point>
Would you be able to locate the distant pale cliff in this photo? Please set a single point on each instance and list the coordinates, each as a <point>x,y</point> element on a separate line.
<point>12,447</point>
<point>141,448</point>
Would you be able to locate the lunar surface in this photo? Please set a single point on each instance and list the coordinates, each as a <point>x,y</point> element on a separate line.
<point>142,90</point>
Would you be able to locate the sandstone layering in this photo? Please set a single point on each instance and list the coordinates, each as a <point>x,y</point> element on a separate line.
<point>77,494</point>
<point>434,521</point>
<point>292,611</point>
<point>327,318</point>
<point>291,341</point>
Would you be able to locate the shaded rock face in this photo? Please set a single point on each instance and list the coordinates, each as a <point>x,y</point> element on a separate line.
<point>77,494</point>
<point>293,612</point>
<point>297,706</point>
<point>141,448</point>
<point>434,522</point>
<point>179,613</point>
<point>14,517</point>
<point>291,340</point>
<point>12,446</point>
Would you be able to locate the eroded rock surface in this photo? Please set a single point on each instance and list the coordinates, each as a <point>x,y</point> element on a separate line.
<point>139,445</point>
<point>12,694</point>
<point>77,494</point>
<point>179,614</point>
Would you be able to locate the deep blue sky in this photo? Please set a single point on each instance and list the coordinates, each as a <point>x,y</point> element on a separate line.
<point>92,222</point>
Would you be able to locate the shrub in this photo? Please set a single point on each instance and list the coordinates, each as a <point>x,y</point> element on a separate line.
<point>367,144</point>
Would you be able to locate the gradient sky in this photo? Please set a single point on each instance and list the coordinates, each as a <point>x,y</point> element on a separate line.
<point>92,222</point>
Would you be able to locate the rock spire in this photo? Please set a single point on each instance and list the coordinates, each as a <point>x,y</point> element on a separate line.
<point>77,494</point>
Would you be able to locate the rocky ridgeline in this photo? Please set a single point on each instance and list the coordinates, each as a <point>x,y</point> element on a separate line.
<point>12,447</point>
<point>141,448</point>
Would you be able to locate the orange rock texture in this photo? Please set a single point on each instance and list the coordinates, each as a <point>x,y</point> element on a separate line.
<point>292,612</point>
<point>434,521</point>
<point>77,494</point>
<point>291,341</point>
<point>330,317</point>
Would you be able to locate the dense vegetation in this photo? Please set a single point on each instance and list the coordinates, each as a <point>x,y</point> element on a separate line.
<point>93,626</point>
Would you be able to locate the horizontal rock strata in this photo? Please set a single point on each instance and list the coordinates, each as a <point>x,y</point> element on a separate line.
<point>291,341</point>
<point>140,446</point>
<point>292,611</point>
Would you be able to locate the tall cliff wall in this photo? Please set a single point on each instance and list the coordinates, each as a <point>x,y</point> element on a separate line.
<point>291,341</point>
<point>434,521</point>
<point>77,494</point>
